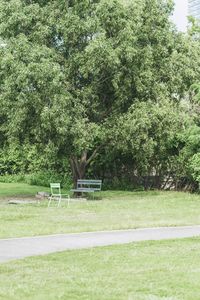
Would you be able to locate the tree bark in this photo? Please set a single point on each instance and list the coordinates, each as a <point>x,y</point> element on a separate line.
<point>78,169</point>
<point>79,166</point>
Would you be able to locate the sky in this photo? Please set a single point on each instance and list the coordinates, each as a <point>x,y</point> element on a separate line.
<point>180,14</point>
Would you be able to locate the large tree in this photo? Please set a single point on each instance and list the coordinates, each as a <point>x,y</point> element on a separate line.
<point>72,68</point>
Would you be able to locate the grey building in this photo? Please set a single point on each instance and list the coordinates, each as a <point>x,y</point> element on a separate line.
<point>194,8</point>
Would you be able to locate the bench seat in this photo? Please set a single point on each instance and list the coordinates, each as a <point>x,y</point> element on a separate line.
<point>83,190</point>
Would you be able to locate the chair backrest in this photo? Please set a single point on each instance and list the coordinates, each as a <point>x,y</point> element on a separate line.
<point>89,183</point>
<point>55,188</point>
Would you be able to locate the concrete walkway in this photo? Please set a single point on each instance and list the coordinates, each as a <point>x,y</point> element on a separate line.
<point>18,248</point>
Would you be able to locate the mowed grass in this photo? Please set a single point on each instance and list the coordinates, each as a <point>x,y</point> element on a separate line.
<point>19,189</point>
<point>165,270</point>
<point>116,210</point>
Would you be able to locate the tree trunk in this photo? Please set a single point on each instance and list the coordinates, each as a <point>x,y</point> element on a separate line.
<point>78,169</point>
<point>79,166</point>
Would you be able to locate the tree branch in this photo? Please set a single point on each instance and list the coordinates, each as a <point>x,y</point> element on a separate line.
<point>93,155</point>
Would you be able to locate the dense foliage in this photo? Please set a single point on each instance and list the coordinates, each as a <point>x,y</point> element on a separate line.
<point>101,87</point>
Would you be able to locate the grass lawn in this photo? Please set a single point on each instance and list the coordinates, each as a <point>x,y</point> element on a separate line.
<point>166,270</point>
<point>19,189</point>
<point>117,210</point>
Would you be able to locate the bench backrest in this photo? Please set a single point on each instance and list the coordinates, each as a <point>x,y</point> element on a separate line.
<point>89,183</point>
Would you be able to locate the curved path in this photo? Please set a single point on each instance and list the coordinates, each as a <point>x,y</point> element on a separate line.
<point>17,248</point>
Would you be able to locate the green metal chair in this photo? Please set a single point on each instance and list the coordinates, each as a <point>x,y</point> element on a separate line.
<point>57,195</point>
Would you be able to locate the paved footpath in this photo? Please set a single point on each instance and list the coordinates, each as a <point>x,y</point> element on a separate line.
<point>17,248</point>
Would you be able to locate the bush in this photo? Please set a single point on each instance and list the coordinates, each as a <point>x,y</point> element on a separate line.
<point>39,178</point>
<point>12,160</point>
<point>45,178</point>
<point>8,178</point>
<point>121,184</point>
<point>195,167</point>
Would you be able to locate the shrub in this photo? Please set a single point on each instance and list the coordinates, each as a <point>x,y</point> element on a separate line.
<point>8,178</point>
<point>39,178</point>
<point>45,178</point>
<point>195,166</point>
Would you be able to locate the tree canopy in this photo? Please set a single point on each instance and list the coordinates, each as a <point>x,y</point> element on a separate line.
<point>72,70</point>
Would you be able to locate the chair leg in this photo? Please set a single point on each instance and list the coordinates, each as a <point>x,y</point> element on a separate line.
<point>59,202</point>
<point>49,201</point>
